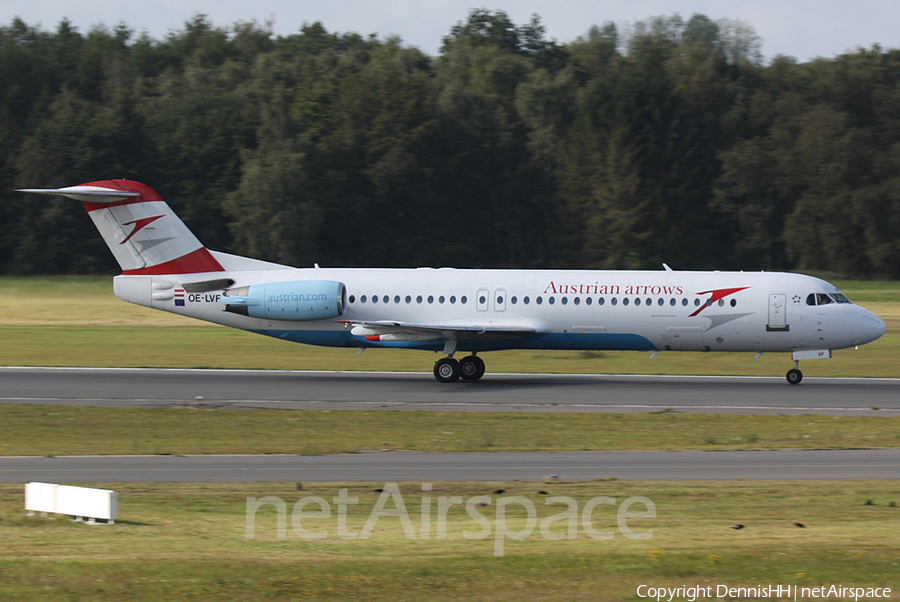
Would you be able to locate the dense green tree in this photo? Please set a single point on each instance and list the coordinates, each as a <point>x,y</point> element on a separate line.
<point>662,140</point>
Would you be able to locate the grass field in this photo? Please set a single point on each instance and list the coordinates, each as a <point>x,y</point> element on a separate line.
<point>77,321</point>
<point>64,430</point>
<point>188,542</point>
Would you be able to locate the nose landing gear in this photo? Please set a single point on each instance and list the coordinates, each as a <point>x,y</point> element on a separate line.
<point>794,376</point>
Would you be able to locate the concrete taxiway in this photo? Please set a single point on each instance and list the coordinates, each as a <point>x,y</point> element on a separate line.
<point>477,466</point>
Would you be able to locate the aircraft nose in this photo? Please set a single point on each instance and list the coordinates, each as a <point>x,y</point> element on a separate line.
<point>872,328</point>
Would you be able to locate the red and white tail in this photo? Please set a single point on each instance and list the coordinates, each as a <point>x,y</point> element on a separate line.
<point>141,230</point>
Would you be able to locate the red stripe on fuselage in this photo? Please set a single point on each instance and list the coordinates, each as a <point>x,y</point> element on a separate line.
<point>194,262</point>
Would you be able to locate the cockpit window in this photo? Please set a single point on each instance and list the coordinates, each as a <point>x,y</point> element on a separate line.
<point>825,299</point>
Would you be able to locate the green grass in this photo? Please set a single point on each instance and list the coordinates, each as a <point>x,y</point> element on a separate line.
<point>64,430</point>
<point>187,542</point>
<point>77,321</point>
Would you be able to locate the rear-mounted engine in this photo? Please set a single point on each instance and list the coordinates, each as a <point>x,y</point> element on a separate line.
<point>297,300</point>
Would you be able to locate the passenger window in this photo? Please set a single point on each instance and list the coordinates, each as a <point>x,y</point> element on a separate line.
<point>397,299</point>
<point>452,298</point>
<point>463,299</point>
<point>526,300</point>
<point>601,301</point>
<point>614,301</point>
<point>441,299</point>
<point>587,301</point>
<point>539,300</point>
<point>431,298</point>
<point>408,299</point>
<point>386,299</point>
<point>352,299</point>
<point>362,299</point>
<point>637,301</point>
<point>552,300</point>
<point>565,300</point>
<point>625,301</point>
<point>577,301</point>
<point>514,300</point>
<point>734,303</point>
<point>684,302</point>
<point>419,299</point>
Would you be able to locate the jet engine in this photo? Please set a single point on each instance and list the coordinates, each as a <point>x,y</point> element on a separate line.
<point>296,300</point>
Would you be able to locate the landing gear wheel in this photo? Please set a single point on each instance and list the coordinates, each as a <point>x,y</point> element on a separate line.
<point>471,367</point>
<point>447,370</point>
<point>794,376</point>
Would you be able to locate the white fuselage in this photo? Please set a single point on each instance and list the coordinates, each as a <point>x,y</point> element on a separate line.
<point>566,309</point>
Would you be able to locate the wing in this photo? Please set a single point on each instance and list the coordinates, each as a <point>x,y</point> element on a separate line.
<point>385,330</point>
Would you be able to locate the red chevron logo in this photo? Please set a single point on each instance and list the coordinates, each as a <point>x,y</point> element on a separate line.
<point>139,224</point>
<point>716,295</point>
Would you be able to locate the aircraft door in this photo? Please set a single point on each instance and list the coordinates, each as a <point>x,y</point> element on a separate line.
<point>481,299</point>
<point>777,313</point>
<point>500,299</point>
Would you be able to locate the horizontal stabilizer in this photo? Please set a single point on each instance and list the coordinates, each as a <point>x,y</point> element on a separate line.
<point>86,194</point>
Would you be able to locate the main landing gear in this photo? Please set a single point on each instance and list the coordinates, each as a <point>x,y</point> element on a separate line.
<point>794,376</point>
<point>448,370</point>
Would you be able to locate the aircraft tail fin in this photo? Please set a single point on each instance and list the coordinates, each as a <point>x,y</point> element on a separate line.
<point>141,230</point>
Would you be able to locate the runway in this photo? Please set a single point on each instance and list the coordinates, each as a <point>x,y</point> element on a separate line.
<point>238,389</point>
<point>494,467</point>
<point>419,391</point>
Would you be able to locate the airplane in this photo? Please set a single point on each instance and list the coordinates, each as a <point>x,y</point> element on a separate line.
<point>466,311</point>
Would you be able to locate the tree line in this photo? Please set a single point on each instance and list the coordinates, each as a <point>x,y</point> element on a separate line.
<point>666,141</point>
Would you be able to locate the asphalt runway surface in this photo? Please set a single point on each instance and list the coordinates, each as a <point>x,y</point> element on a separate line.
<point>477,466</point>
<point>419,391</point>
<point>238,389</point>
